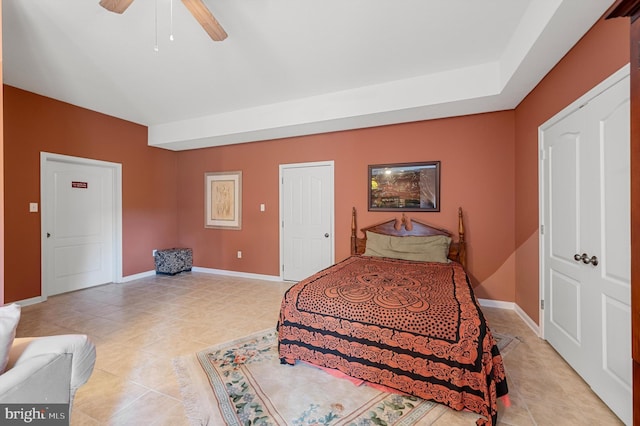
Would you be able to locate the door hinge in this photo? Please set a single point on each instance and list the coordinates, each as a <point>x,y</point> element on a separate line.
<point>283,267</point>
<point>543,155</point>
<point>542,229</point>
<point>542,304</point>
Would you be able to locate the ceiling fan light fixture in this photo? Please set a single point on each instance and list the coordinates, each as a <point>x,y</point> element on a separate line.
<point>205,18</point>
<point>117,6</point>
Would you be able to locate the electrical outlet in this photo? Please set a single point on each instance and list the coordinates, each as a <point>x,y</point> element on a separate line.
<point>153,252</point>
<point>239,254</point>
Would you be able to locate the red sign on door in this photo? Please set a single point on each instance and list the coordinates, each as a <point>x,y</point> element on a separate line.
<point>83,185</point>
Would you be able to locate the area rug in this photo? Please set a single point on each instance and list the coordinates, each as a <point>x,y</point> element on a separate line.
<point>243,383</point>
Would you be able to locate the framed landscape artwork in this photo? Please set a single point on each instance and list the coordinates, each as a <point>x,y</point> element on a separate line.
<point>405,187</point>
<point>223,200</point>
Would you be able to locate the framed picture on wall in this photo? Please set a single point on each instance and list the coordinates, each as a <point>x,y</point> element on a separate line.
<point>223,200</point>
<point>405,187</point>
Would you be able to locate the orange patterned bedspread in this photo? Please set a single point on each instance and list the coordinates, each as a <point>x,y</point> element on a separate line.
<point>411,326</point>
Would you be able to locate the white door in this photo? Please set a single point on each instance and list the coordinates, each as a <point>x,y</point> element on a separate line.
<point>78,225</point>
<point>307,219</point>
<point>586,242</point>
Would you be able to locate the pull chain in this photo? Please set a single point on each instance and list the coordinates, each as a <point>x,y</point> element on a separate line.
<point>171,21</point>
<point>155,48</point>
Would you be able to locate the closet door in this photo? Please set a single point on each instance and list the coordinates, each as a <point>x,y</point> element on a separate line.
<point>307,219</point>
<point>631,8</point>
<point>586,244</point>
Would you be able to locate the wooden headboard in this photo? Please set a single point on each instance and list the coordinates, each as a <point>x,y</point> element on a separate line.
<point>405,227</point>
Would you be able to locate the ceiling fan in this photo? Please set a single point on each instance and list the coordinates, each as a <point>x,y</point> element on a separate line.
<point>196,7</point>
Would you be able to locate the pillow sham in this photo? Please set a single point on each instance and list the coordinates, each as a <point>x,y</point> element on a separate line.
<point>9,317</point>
<point>433,248</point>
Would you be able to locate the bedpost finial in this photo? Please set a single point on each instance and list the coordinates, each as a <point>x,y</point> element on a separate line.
<point>407,223</point>
<point>353,220</point>
<point>354,230</point>
<point>462,251</point>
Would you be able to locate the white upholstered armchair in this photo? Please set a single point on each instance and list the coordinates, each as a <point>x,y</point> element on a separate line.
<point>41,370</point>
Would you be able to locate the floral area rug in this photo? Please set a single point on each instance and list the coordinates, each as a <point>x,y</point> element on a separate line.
<point>243,383</point>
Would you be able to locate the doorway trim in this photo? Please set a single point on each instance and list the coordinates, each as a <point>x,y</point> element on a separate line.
<point>601,87</point>
<point>330,163</point>
<point>46,157</point>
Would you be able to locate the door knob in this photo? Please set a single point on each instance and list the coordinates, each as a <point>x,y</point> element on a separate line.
<point>586,259</point>
<point>48,235</point>
<point>326,235</point>
<point>593,261</point>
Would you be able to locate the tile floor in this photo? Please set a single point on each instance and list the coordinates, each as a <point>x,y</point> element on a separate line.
<point>140,326</point>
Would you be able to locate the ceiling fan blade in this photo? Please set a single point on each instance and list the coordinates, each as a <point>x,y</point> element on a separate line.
<point>205,18</point>
<point>117,6</point>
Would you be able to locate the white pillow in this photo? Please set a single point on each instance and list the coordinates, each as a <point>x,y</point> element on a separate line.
<point>9,317</point>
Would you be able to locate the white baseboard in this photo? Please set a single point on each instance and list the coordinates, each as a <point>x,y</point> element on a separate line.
<point>137,276</point>
<point>496,304</point>
<point>208,271</point>
<point>513,307</point>
<point>237,274</point>
<point>31,301</point>
<point>527,320</point>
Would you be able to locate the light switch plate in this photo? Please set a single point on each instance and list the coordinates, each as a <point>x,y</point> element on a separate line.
<point>33,207</point>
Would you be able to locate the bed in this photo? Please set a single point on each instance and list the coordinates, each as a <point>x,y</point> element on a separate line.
<point>399,312</point>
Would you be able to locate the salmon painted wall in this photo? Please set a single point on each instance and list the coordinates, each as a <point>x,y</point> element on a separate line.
<point>34,123</point>
<point>477,173</point>
<point>1,176</point>
<point>600,53</point>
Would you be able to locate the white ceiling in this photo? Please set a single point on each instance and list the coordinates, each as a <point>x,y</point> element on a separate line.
<point>288,67</point>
